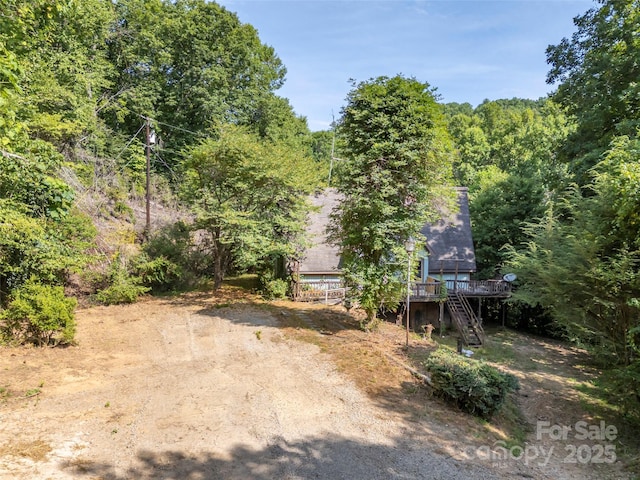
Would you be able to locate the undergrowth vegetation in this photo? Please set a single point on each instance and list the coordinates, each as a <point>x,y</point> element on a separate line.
<point>39,314</point>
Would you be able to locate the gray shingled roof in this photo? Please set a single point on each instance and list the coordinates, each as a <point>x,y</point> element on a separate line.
<point>450,240</point>
<point>321,257</point>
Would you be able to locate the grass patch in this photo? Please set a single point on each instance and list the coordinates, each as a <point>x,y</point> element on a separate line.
<point>497,350</point>
<point>4,394</point>
<point>449,340</point>
<point>246,282</point>
<point>596,398</point>
<point>511,422</point>
<point>220,305</point>
<point>32,392</point>
<point>36,450</point>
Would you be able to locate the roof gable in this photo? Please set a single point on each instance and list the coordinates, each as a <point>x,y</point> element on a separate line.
<point>449,239</point>
<point>321,257</point>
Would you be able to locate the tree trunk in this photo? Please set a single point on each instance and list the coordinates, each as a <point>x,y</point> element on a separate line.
<point>218,275</point>
<point>218,260</point>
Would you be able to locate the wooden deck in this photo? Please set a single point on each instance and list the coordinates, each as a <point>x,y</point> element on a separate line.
<point>329,292</point>
<point>420,292</point>
<point>433,291</point>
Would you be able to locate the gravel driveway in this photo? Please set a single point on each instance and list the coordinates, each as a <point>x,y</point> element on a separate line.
<point>177,391</point>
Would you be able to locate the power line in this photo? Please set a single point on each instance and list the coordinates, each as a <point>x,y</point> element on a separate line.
<point>171,126</point>
<point>129,142</point>
<point>168,150</point>
<point>173,174</point>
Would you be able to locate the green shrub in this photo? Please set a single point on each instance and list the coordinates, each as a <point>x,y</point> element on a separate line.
<point>36,313</point>
<point>474,386</point>
<point>125,290</point>
<point>159,274</point>
<point>276,288</point>
<point>122,286</point>
<point>174,243</point>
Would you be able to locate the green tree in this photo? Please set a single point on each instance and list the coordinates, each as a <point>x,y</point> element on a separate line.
<point>517,136</point>
<point>501,205</point>
<point>61,47</point>
<point>507,156</point>
<point>249,197</point>
<point>597,73</point>
<point>397,159</point>
<point>472,146</point>
<point>10,128</point>
<point>52,73</point>
<point>191,64</point>
<point>581,262</point>
<point>322,144</point>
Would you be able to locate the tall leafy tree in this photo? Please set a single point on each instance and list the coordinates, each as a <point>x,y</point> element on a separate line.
<point>61,48</point>
<point>597,73</point>
<point>398,157</point>
<point>581,264</point>
<point>501,206</point>
<point>249,197</point>
<point>507,156</point>
<point>193,65</point>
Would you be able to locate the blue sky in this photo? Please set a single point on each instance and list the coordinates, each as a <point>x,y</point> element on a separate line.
<point>470,50</point>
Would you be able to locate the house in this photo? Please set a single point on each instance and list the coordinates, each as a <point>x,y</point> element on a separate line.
<point>443,271</point>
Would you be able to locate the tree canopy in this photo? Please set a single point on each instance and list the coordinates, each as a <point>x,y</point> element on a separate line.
<point>507,156</point>
<point>580,260</point>
<point>597,71</point>
<point>249,197</point>
<point>78,79</point>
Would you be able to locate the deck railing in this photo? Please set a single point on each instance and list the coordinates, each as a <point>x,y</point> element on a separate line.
<point>429,291</point>
<point>481,288</point>
<point>426,291</point>
<point>320,290</point>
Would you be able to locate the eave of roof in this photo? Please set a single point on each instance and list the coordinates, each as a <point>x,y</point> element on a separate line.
<point>449,240</point>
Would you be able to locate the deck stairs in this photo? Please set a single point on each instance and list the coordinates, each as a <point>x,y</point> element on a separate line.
<point>465,320</point>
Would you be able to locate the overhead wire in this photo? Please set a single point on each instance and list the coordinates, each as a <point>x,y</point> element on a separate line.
<point>175,127</point>
<point>129,142</point>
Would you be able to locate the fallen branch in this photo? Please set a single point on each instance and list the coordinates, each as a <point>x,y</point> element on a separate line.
<point>420,376</point>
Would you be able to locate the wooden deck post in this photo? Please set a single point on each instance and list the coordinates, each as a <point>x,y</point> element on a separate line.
<point>455,283</point>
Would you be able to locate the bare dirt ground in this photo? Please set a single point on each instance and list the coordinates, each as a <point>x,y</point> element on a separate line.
<point>228,387</point>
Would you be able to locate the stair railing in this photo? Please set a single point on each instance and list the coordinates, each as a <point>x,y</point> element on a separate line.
<point>457,316</point>
<point>473,320</point>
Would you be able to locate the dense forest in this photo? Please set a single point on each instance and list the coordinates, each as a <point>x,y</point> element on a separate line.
<point>92,91</point>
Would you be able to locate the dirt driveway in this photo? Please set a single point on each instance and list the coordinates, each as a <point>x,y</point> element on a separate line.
<point>193,389</point>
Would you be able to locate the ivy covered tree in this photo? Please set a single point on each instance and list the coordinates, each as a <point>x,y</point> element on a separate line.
<point>397,159</point>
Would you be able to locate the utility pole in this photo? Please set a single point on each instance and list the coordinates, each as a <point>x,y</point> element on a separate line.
<point>147,230</point>
<point>333,147</point>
